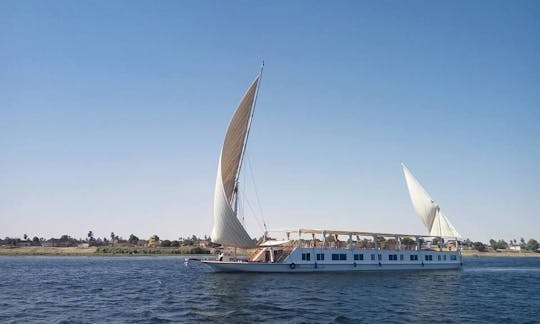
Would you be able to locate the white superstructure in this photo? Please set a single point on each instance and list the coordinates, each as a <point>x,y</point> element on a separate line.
<point>323,250</point>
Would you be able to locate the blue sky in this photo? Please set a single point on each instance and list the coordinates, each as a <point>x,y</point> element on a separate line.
<point>112,114</point>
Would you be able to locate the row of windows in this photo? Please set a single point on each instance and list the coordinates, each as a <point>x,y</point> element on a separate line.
<point>339,256</point>
<point>360,257</point>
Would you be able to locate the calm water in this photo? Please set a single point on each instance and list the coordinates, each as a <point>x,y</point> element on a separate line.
<point>163,289</point>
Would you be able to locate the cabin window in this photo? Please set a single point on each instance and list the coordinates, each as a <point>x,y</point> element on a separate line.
<point>414,257</point>
<point>373,257</point>
<point>444,257</point>
<point>429,257</point>
<point>439,257</point>
<point>392,257</point>
<point>320,256</point>
<point>339,256</point>
<point>358,257</point>
<point>453,258</point>
<point>306,256</point>
<point>401,257</point>
<point>379,256</point>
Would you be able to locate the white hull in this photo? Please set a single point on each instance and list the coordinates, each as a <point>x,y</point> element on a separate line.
<point>220,266</point>
<point>350,260</point>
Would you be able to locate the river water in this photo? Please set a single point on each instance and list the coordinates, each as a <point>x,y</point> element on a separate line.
<point>164,289</point>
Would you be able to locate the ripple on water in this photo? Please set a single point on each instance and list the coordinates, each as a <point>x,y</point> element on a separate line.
<point>163,289</point>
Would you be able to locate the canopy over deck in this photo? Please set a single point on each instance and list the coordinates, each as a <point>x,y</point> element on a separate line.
<point>274,243</point>
<point>355,233</point>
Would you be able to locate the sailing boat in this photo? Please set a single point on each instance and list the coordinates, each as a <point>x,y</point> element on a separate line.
<point>323,250</point>
<point>429,211</point>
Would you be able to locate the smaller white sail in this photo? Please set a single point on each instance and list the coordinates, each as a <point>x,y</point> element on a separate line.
<point>436,222</point>
<point>442,226</point>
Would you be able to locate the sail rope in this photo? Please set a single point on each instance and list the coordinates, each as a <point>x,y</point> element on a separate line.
<point>256,192</point>
<point>248,204</point>
<point>245,204</point>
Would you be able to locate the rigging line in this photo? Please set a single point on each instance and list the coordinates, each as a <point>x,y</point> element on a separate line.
<point>241,210</point>
<point>245,202</point>
<point>242,191</point>
<point>256,191</point>
<point>256,219</point>
<point>250,121</point>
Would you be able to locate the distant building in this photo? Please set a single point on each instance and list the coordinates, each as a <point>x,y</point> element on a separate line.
<point>153,241</point>
<point>142,243</point>
<point>203,244</point>
<point>514,248</point>
<point>58,243</point>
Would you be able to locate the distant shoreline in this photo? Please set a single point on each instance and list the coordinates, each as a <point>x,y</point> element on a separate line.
<point>474,253</point>
<point>85,251</point>
<point>93,251</point>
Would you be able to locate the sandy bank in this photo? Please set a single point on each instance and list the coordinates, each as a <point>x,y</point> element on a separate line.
<point>94,251</point>
<point>40,250</point>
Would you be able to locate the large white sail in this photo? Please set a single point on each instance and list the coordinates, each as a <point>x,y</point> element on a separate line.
<point>436,222</point>
<point>227,228</point>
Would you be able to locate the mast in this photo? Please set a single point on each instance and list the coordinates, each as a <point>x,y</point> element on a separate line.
<point>259,76</point>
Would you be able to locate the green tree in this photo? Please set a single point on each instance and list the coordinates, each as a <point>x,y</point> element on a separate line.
<point>532,245</point>
<point>35,241</point>
<point>90,236</point>
<point>133,239</point>
<point>165,243</point>
<point>500,244</point>
<point>330,239</point>
<point>479,246</point>
<point>407,241</point>
<point>25,237</point>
